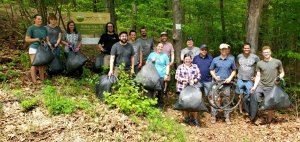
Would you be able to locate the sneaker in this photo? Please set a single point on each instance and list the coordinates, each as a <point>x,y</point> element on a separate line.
<point>227,120</point>
<point>213,120</point>
<point>196,122</point>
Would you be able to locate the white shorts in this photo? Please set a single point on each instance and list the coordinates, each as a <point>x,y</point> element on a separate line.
<point>32,50</point>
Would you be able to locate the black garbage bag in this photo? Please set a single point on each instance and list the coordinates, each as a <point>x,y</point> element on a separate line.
<point>74,61</point>
<point>105,84</point>
<point>149,77</point>
<point>250,105</point>
<point>99,62</point>
<point>190,99</point>
<point>56,65</point>
<point>277,99</point>
<point>43,56</point>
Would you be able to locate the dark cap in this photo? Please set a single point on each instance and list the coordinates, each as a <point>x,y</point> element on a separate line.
<point>189,38</point>
<point>203,46</point>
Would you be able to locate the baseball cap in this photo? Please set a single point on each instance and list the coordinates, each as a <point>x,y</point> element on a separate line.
<point>189,38</point>
<point>163,33</point>
<point>203,46</point>
<point>224,45</point>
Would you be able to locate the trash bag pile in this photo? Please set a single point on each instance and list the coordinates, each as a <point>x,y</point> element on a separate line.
<point>75,61</point>
<point>105,84</point>
<point>56,66</point>
<point>190,99</point>
<point>43,56</point>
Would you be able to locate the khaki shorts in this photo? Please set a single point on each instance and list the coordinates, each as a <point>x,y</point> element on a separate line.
<point>106,60</point>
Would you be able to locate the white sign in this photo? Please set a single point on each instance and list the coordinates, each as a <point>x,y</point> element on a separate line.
<point>178,26</point>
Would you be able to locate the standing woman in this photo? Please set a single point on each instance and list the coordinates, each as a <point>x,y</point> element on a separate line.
<point>72,41</point>
<point>35,35</point>
<point>187,73</point>
<point>161,63</point>
<point>54,33</point>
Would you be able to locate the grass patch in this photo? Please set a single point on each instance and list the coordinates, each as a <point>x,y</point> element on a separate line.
<point>29,104</point>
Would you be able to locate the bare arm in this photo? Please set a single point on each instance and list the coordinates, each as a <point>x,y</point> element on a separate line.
<point>141,59</point>
<point>172,57</point>
<point>132,65</point>
<point>58,40</point>
<point>111,65</point>
<point>257,79</point>
<point>228,80</point>
<point>213,74</point>
<point>29,39</point>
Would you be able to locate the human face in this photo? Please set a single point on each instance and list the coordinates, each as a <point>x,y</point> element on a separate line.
<point>246,49</point>
<point>132,36</point>
<point>164,38</point>
<point>71,27</point>
<point>190,43</point>
<point>203,51</point>
<point>110,28</point>
<point>143,32</point>
<point>38,20</point>
<point>123,38</point>
<point>187,60</point>
<point>159,48</point>
<point>53,21</point>
<point>224,51</point>
<point>267,53</point>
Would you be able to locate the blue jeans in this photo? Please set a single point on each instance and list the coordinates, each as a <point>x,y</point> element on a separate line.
<point>206,86</point>
<point>243,86</point>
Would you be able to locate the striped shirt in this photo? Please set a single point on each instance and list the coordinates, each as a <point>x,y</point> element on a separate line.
<point>183,73</point>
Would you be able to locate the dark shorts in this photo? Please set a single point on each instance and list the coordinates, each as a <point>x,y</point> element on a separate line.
<point>260,92</point>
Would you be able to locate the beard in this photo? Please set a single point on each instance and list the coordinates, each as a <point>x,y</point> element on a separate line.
<point>123,41</point>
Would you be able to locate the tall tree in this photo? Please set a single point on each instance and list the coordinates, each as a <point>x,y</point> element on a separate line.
<point>222,20</point>
<point>255,8</point>
<point>177,34</point>
<point>112,11</point>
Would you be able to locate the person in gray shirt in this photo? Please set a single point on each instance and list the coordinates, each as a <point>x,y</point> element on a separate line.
<point>146,43</point>
<point>267,72</point>
<point>246,63</point>
<point>190,49</point>
<point>54,34</point>
<point>121,52</point>
<point>138,54</point>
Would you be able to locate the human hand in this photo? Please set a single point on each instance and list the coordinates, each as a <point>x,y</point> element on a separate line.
<point>171,64</point>
<point>252,90</point>
<point>56,45</point>
<point>140,65</point>
<point>132,71</point>
<point>110,73</point>
<point>192,82</point>
<point>228,80</point>
<point>76,49</point>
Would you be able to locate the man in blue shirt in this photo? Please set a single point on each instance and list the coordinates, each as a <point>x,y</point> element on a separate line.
<point>203,61</point>
<point>223,68</point>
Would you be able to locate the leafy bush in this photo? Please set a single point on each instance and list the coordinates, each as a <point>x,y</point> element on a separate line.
<point>84,104</point>
<point>29,104</point>
<point>57,104</point>
<point>2,76</point>
<point>128,96</point>
<point>24,59</point>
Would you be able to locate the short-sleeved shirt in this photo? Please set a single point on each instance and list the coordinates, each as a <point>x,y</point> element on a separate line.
<point>231,57</point>
<point>123,54</point>
<point>194,51</point>
<point>73,38</point>
<point>168,48</point>
<point>246,66</point>
<point>223,67</point>
<point>53,33</point>
<point>161,62</point>
<point>190,73</point>
<point>203,64</point>
<point>37,32</point>
<point>269,71</point>
<point>107,41</point>
<point>137,49</point>
<point>147,46</point>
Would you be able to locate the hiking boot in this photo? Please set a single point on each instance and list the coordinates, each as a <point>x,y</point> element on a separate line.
<point>213,120</point>
<point>196,122</point>
<point>228,122</point>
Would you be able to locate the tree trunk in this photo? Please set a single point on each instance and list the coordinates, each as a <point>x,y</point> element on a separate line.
<point>177,33</point>
<point>42,10</point>
<point>112,11</point>
<point>255,8</point>
<point>222,20</point>
<point>95,5</point>
<point>134,13</point>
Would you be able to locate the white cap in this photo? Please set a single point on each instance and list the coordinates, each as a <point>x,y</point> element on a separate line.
<point>224,45</point>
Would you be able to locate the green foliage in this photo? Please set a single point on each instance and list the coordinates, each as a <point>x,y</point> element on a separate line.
<point>2,76</point>
<point>1,109</point>
<point>24,60</point>
<point>29,104</point>
<point>128,96</point>
<point>84,104</point>
<point>167,126</point>
<point>57,104</point>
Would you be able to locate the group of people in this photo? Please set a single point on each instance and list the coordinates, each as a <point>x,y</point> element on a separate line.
<point>198,68</point>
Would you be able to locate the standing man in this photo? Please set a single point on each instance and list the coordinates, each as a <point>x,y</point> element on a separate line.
<point>107,40</point>
<point>246,63</point>
<point>203,61</point>
<point>138,54</point>
<point>146,43</point>
<point>266,73</point>
<point>190,49</point>
<point>223,69</point>
<point>168,47</point>
<point>121,52</point>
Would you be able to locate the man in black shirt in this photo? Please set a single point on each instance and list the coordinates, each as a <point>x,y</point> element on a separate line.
<point>107,40</point>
